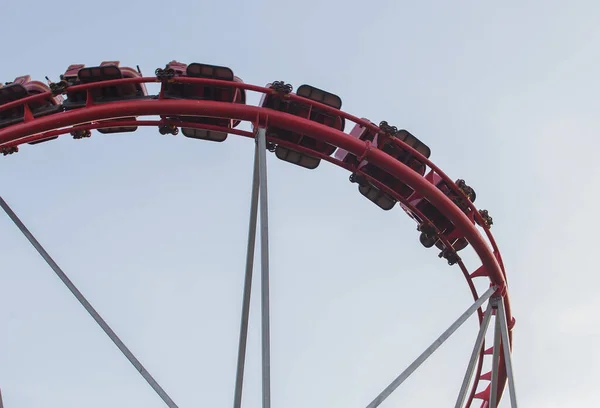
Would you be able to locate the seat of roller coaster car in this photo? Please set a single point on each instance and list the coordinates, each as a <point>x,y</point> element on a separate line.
<point>105,72</point>
<point>9,93</point>
<point>201,91</point>
<point>414,142</point>
<point>305,110</point>
<point>75,99</point>
<point>401,154</point>
<point>20,88</point>
<point>209,71</point>
<point>217,92</point>
<point>318,95</point>
<point>318,114</point>
<point>12,91</point>
<point>204,92</point>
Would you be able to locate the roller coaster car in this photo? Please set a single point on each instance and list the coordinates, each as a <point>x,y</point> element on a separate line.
<point>386,144</point>
<point>446,228</point>
<point>23,87</point>
<point>78,74</point>
<point>277,101</point>
<point>219,93</point>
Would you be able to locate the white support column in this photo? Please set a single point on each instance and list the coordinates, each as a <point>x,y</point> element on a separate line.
<point>495,358</point>
<point>90,309</point>
<point>264,258</point>
<point>239,379</point>
<point>501,316</point>
<point>431,349</point>
<point>462,395</point>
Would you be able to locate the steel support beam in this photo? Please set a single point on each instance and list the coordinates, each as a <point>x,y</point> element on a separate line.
<point>241,362</point>
<point>495,358</point>
<point>431,349</point>
<point>264,266</point>
<point>464,389</point>
<point>90,309</point>
<point>501,315</point>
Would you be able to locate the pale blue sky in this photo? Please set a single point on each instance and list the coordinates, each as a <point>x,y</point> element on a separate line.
<point>153,228</point>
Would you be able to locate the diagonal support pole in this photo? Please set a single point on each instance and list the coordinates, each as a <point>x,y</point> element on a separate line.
<point>495,358</point>
<point>474,356</point>
<point>95,315</point>
<point>500,315</point>
<point>261,139</point>
<point>431,349</point>
<point>239,379</point>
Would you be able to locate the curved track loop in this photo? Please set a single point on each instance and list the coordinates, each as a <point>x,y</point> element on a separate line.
<point>31,130</point>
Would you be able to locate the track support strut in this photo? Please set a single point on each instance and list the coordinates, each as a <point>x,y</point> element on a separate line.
<point>431,349</point>
<point>259,195</point>
<point>501,338</point>
<point>90,309</point>
<point>474,356</point>
<point>495,306</point>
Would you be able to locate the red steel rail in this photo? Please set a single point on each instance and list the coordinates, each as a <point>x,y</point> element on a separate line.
<point>35,129</point>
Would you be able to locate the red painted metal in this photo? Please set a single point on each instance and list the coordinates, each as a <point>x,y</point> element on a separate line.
<point>44,127</point>
<point>326,108</point>
<point>280,119</point>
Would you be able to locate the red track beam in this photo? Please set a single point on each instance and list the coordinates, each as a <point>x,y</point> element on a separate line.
<point>280,119</point>
<point>286,121</point>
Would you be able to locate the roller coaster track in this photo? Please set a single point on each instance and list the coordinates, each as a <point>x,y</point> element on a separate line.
<point>486,387</point>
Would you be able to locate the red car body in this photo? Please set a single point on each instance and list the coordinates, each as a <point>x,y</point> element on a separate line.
<point>174,90</point>
<point>305,110</point>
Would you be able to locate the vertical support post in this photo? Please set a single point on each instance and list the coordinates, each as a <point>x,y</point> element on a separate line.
<point>264,266</point>
<point>474,356</point>
<point>1,403</point>
<point>239,379</point>
<point>507,355</point>
<point>431,349</point>
<point>495,358</point>
<point>90,309</point>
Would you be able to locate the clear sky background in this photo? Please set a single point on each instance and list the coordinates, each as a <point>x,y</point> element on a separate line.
<point>153,228</point>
